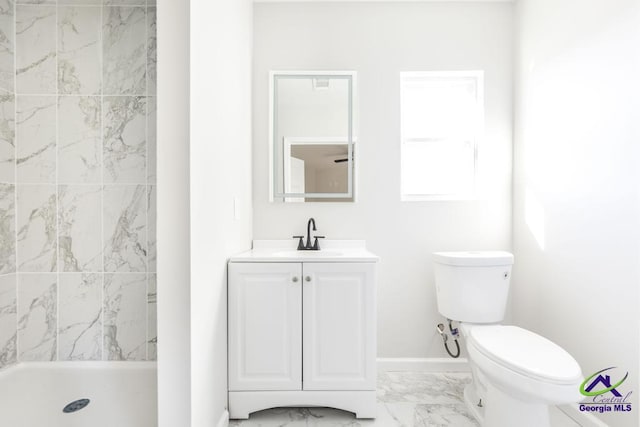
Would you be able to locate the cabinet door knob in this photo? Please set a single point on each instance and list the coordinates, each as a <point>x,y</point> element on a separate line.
<point>295,279</point>
<point>308,278</point>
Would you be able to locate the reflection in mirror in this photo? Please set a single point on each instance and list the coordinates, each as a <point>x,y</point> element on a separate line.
<point>316,166</point>
<point>311,139</point>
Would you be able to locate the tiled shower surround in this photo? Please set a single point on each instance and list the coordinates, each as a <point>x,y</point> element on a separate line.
<point>77,180</point>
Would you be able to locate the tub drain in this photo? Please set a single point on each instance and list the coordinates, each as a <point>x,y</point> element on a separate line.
<point>76,405</point>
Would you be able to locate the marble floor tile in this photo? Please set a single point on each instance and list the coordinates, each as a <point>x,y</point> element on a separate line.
<point>389,415</point>
<point>422,387</point>
<point>559,419</point>
<point>443,415</point>
<point>405,399</point>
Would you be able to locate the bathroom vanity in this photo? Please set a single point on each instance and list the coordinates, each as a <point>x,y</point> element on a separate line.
<point>302,328</point>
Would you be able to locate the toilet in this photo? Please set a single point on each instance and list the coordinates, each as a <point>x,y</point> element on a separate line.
<point>516,373</point>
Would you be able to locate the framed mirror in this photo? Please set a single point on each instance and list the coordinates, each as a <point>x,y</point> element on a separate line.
<point>312,144</point>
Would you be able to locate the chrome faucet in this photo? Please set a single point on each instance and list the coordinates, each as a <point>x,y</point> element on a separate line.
<point>308,246</point>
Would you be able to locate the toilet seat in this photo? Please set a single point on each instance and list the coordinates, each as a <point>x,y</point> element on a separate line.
<point>526,353</point>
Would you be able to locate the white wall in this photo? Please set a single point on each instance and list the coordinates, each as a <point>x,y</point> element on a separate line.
<point>204,134</point>
<point>378,41</point>
<point>220,172</point>
<point>174,344</point>
<point>577,238</point>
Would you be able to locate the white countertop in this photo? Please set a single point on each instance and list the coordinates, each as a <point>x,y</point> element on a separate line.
<point>286,251</point>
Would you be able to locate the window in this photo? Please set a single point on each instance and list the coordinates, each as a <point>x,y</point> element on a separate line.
<point>441,116</point>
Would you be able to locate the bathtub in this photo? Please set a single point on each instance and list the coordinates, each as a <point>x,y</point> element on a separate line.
<point>122,394</point>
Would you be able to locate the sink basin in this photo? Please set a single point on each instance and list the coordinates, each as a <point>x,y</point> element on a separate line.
<point>307,254</point>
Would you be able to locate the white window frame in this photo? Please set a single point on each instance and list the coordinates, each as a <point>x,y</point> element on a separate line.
<point>478,75</point>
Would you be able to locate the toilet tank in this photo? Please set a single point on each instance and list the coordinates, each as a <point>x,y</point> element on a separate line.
<point>473,286</point>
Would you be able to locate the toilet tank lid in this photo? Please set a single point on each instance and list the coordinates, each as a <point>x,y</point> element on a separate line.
<point>474,258</point>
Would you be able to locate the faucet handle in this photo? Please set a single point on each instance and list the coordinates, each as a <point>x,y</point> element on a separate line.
<point>300,243</point>
<point>316,245</point>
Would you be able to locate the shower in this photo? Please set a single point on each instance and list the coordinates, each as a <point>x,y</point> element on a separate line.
<point>77,191</point>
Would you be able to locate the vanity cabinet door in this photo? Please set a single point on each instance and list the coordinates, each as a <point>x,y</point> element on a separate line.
<point>339,326</point>
<point>265,326</point>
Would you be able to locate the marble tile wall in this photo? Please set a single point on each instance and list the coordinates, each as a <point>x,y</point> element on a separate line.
<point>77,180</point>
<point>8,243</point>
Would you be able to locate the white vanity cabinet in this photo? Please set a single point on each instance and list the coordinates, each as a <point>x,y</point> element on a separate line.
<point>339,326</point>
<point>302,333</point>
<point>265,326</point>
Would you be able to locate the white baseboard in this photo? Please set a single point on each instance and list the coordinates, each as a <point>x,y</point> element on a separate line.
<point>224,419</point>
<point>582,418</point>
<point>420,364</point>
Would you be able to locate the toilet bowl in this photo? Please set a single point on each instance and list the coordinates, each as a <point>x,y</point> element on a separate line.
<point>517,374</point>
<point>524,372</point>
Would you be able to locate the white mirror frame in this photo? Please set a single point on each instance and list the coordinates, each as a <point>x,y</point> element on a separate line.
<point>281,197</point>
